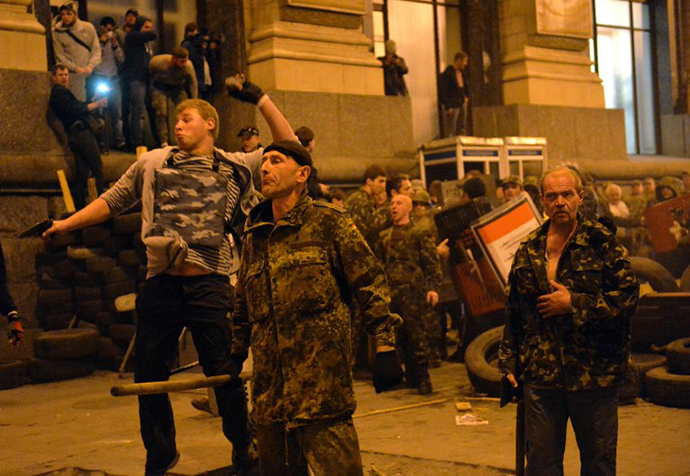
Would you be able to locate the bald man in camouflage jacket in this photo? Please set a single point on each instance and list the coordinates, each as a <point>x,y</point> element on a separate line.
<point>571,295</point>
<point>302,262</point>
<point>413,267</point>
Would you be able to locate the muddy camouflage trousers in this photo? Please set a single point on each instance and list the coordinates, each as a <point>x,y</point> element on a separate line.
<point>322,449</point>
<point>412,341</point>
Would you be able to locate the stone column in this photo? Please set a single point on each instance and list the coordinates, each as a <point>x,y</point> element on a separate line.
<point>546,53</point>
<point>549,89</point>
<point>22,37</point>
<point>312,45</point>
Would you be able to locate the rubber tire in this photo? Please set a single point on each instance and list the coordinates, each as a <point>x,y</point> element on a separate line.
<point>47,258</point>
<point>115,290</point>
<point>685,280</point>
<point>100,265</point>
<point>87,325</point>
<point>64,269</point>
<point>12,374</point>
<point>61,242</point>
<point>658,277</point>
<point>87,280</point>
<point>87,294</point>
<point>128,259</point>
<point>122,334</point>
<point>55,321</point>
<point>124,317</point>
<point>110,355</point>
<point>127,224</point>
<point>66,344</point>
<point>112,246</point>
<point>484,377</point>
<point>88,309</point>
<point>667,389</point>
<point>678,355</point>
<point>118,273</point>
<point>103,319</point>
<point>45,370</point>
<point>95,235</point>
<point>643,363</point>
<point>53,297</point>
<point>46,281</point>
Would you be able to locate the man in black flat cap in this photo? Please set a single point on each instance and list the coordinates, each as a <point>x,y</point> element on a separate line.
<point>250,139</point>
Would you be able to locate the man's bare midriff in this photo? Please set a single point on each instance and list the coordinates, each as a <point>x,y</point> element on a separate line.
<point>189,269</point>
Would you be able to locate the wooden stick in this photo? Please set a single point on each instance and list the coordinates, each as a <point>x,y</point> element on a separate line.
<point>66,194</point>
<point>130,349</point>
<point>91,188</point>
<point>401,408</point>
<point>152,388</point>
<point>482,399</point>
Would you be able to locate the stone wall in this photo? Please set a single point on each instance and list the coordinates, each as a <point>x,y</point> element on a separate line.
<point>352,131</point>
<point>571,133</point>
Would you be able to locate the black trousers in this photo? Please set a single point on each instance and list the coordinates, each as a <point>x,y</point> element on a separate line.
<point>594,416</point>
<point>166,305</point>
<point>87,158</point>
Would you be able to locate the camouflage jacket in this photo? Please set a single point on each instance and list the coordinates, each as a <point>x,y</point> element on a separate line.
<point>589,347</point>
<point>295,282</point>
<point>409,256</point>
<point>369,220</point>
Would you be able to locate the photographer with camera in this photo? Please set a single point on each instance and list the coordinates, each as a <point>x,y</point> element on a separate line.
<point>106,81</point>
<point>74,115</point>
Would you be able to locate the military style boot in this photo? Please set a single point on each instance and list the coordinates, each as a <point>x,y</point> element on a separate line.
<point>424,387</point>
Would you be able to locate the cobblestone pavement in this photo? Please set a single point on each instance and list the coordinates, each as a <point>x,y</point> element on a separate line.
<point>51,428</point>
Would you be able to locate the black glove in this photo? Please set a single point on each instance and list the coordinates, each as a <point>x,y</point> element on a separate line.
<point>243,90</point>
<point>15,332</point>
<point>387,371</point>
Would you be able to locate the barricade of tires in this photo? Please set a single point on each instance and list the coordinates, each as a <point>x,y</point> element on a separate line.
<point>670,385</point>
<point>93,274</point>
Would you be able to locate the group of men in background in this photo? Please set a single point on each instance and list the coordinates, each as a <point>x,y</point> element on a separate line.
<point>120,62</point>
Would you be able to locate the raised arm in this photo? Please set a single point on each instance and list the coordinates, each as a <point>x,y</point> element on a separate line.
<point>251,93</point>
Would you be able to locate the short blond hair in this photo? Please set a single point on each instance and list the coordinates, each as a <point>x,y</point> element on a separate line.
<point>205,110</point>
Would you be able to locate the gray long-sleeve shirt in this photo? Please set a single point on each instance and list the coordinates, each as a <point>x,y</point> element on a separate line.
<point>69,52</point>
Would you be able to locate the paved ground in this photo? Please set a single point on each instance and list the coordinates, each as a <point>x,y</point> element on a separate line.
<point>52,428</point>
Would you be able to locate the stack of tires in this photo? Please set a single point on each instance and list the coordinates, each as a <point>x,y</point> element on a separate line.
<point>670,385</point>
<point>89,274</point>
<point>646,331</point>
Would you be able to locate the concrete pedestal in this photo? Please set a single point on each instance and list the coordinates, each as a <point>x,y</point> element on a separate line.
<point>22,37</point>
<point>545,54</point>
<point>571,133</point>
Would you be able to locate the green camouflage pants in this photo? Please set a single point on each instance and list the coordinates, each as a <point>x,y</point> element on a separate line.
<point>322,449</point>
<point>412,339</point>
<point>159,101</point>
